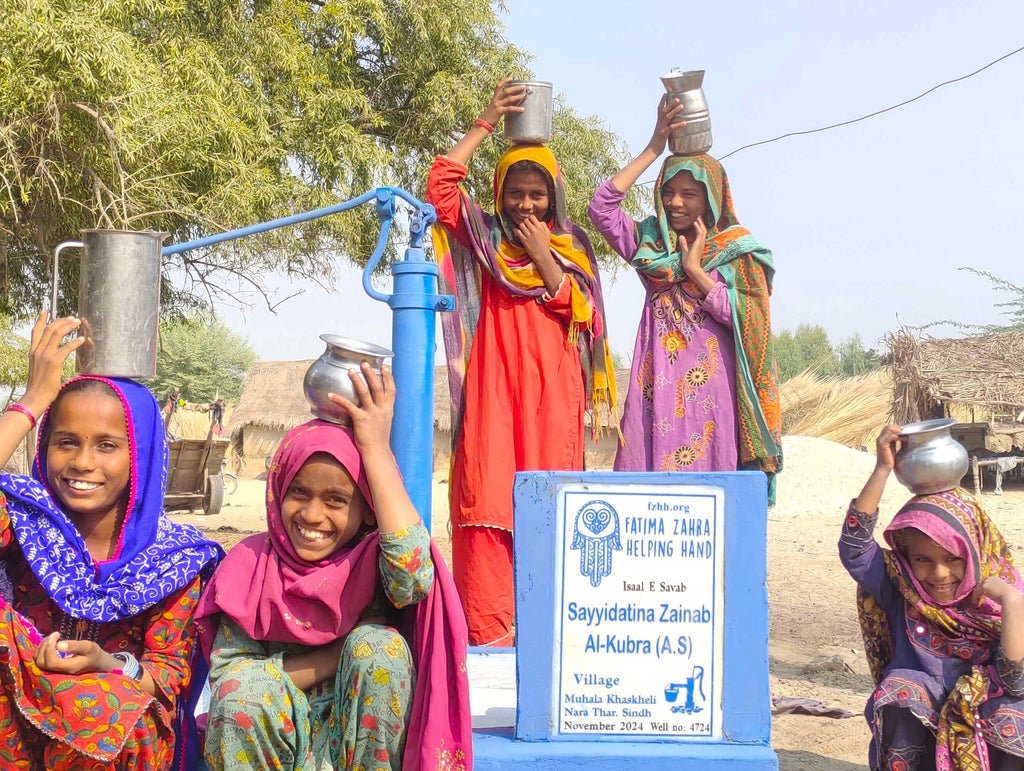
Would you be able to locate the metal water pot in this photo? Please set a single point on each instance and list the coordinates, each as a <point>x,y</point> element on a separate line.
<point>930,460</point>
<point>329,374</point>
<point>533,124</point>
<point>118,301</point>
<point>695,137</point>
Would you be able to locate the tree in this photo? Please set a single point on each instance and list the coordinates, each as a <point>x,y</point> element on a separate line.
<point>203,358</point>
<point>808,347</point>
<point>198,116</point>
<point>854,359</point>
<point>13,357</point>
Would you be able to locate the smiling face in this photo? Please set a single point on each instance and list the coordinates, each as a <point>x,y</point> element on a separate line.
<point>684,200</point>
<point>524,193</point>
<point>88,457</point>
<point>938,571</point>
<point>323,508</point>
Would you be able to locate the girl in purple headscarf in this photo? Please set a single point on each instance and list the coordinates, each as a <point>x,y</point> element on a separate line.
<point>97,587</point>
<point>942,614</point>
<point>337,640</point>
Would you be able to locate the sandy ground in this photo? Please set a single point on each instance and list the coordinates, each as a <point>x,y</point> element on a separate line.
<point>811,598</point>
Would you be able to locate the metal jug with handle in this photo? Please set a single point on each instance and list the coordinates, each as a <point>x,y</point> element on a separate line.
<point>695,137</point>
<point>533,124</point>
<point>118,301</point>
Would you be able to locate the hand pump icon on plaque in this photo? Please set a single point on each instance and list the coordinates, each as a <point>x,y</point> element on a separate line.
<point>694,682</point>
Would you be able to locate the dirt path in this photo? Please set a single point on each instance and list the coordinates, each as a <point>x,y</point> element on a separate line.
<point>811,598</point>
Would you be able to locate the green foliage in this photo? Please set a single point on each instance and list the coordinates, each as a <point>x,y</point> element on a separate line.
<point>203,358</point>
<point>854,358</point>
<point>13,356</point>
<point>198,116</point>
<point>809,348</point>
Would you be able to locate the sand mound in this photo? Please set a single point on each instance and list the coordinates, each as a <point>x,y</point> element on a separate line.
<point>819,479</point>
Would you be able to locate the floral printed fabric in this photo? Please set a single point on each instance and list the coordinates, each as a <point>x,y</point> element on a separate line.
<point>258,718</point>
<point>926,658</point>
<point>57,721</point>
<point>680,410</point>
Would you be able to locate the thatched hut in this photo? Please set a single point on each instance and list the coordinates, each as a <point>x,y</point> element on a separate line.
<point>272,404</point>
<point>976,380</point>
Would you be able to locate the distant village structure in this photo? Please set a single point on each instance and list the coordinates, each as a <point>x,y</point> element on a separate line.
<point>978,381</point>
<point>272,404</point>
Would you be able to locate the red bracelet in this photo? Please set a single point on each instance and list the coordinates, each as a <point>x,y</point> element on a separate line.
<point>484,125</point>
<point>24,411</point>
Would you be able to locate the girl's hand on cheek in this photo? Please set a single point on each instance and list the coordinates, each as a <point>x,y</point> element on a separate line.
<point>535,237</point>
<point>371,420</point>
<point>693,253</point>
<point>996,589</point>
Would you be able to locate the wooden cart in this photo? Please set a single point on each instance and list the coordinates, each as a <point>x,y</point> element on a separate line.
<point>194,474</point>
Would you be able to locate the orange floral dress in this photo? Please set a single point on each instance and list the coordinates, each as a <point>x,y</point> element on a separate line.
<point>91,721</point>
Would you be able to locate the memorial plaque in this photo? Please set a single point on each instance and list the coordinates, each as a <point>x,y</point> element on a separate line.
<point>639,611</point>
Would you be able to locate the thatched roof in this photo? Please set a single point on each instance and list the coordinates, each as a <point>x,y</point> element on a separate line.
<point>272,397</point>
<point>985,373</point>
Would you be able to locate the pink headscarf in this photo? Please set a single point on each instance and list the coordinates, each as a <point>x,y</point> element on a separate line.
<point>273,595</point>
<point>955,521</point>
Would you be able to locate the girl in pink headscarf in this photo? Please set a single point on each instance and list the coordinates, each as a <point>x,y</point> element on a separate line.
<point>337,640</point>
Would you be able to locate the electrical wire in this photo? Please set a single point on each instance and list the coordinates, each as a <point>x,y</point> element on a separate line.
<point>877,112</point>
<point>863,117</point>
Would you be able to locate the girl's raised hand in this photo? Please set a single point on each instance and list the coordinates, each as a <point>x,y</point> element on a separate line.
<point>885,447</point>
<point>667,123</point>
<point>371,418</point>
<point>46,359</point>
<point>506,99</point>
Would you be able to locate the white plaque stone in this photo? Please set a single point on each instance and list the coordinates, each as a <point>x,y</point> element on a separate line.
<point>639,611</point>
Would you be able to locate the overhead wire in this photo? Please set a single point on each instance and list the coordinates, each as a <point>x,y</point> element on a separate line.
<point>869,115</point>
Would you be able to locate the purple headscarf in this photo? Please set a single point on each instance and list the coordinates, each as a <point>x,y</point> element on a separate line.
<point>154,557</point>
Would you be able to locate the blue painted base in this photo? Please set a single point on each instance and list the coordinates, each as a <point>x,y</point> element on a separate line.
<point>496,750</point>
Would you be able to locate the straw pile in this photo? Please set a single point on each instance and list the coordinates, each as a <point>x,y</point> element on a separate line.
<point>849,411</point>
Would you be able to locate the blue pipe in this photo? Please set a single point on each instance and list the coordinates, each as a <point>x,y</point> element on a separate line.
<point>413,304</point>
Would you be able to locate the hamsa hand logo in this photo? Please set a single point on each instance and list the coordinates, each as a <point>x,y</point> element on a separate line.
<point>596,536</point>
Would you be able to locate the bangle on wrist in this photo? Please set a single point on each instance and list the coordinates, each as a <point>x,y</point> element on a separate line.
<point>130,665</point>
<point>484,125</point>
<point>15,407</point>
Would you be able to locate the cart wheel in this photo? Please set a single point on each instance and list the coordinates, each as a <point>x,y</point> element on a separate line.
<point>230,482</point>
<point>213,497</point>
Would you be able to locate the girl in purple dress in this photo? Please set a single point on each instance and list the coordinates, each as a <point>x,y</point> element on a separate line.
<point>942,614</point>
<point>703,391</point>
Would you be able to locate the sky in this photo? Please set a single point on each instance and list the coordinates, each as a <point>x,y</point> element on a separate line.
<point>869,223</point>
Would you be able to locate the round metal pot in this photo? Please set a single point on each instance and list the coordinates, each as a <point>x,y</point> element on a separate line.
<point>930,460</point>
<point>329,374</point>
